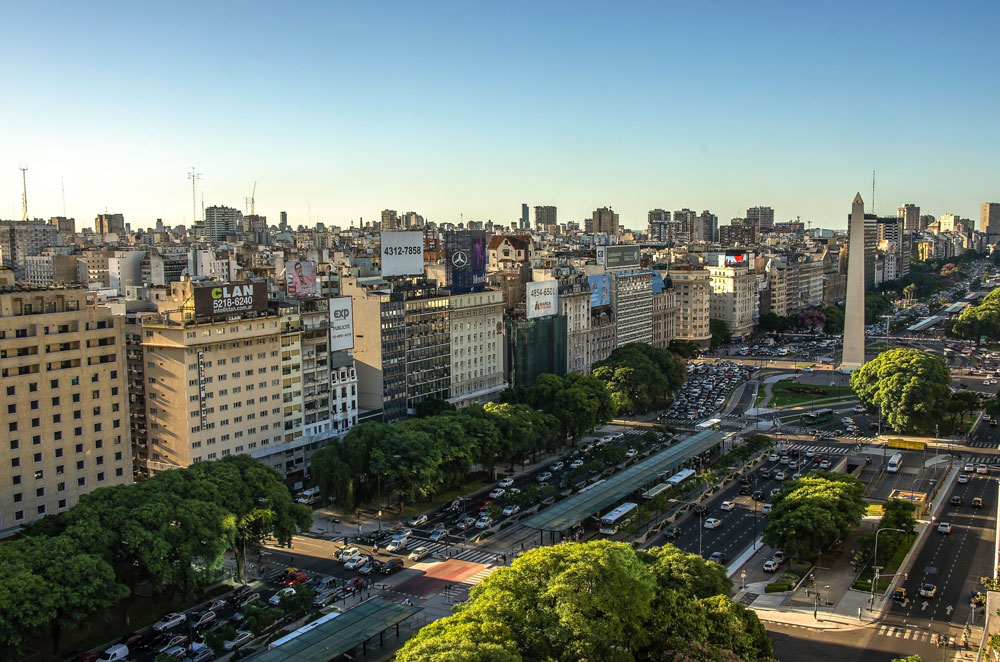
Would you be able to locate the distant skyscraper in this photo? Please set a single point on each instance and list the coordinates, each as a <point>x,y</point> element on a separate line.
<point>854,318</point>
<point>389,219</point>
<point>709,226</point>
<point>910,214</point>
<point>545,215</point>
<point>109,223</point>
<point>284,221</point>
<point>605,220</point>
<point>525,221</point>
<point>221,221</point>
<point>989,218</point>
<point>762,218</point>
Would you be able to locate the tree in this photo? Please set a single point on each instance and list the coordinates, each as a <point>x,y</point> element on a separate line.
<point>773,322</point>
<point>260,617</point>
<point>638,374</point>
<point>299,602</point>
<point>834,320</point>
<point>876,305</point>
<point>980,320</point>
<point>594,601</point>
<point>685,349</point>
<point>814,511</point>
<point>962,403</point>
<point>909,386</point>
<point>433,407</point>
<point>216,639</point>
<point>721,335</point>
<point>677,570</point>
<point>908,658</point>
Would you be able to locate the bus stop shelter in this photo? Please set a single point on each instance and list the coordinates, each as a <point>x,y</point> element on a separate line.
<point>595,499</point>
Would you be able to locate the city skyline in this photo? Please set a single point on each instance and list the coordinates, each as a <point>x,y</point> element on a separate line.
<point>466,112</point>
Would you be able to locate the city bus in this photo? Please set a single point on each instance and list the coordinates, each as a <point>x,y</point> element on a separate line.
<point>818,417</point>
<point>680,477</point>
<point>895,462</point>
<point>617,518</point>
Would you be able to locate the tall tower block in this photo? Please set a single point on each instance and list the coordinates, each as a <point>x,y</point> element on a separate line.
<point>854,317</point>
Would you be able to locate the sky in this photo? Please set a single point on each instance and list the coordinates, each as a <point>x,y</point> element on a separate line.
<point>465,110</point>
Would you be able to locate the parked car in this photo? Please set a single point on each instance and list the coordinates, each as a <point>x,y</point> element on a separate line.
<point>169,621</point>
<point>544,476</point>
<point>556,466</point>
<point>248,599</point>
<point>512,509</point>
<point>497,493</point>
<point>419,554</point>
<point>240,638</point>
<point>175,640</point>
<point>779,557</point>
<point>116,653</point>
<point>576,464</point>
<point>203,655</point>
<point>506,482</point>
<point>771,566</point>
<point>204,618</point>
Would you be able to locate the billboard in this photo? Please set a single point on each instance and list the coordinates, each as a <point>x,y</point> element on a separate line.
<point>465,260</point>
<point>600,254</point>
<point>542,298</point>
<point>600,290</point>
<point>402,253</point>
<point>300,278</point>
<point>230,299</point>
<point>621,257</point>
<point>341,323</point>
<point>736,259</point>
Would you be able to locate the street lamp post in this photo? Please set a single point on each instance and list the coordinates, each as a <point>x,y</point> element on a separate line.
<point>743,579</point>
<point>875,561</point>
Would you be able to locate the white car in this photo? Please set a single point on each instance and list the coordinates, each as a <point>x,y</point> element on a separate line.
<point>545,475</point>
<point>773,457</point>
<point>631,452</point>
<point>766,509</point>
<point>712,523</point>
<point>962,479</point>
<point>727,505</point>
<point>859,409</point>
<point>484,522</point>
<point>419,553</point>
<point>275,599</point>
<point>511,510</point>
<point>169,621</point>
<point>810,453</point>
<point>347,553</point>
<point>770,566</point>
<point>396,545</point>
<point>944,527</point>
<point>982,469</point>
<point>355,562</point>
<point>825,464</point>
<point>556,466</point>
<point>241,637</point>
<point>576,464</point>
<point>969,467</point>
<point>497,493</point>
<point>506,482</point>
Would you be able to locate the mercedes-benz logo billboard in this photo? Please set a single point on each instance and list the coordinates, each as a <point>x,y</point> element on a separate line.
<point>460,259</point>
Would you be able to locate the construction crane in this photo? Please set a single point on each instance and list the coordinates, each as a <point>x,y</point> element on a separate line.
<point>250,200</point>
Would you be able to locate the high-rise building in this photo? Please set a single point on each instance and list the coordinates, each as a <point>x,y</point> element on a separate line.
<point>64,396</point>
<point>545,215</point>
<point>762,218</point>
<point>739,232</point>
<point>632,303</point>
<point>949,223</point>
<point>604,220</point>
<point>989,219</point>
<point>693,296</point>
<point>910,213</point>
<point>109,224</point>
<point>389,219</point>
<point>21,239</point>
<point>709,226</point>
<point>221,222</point>
<point>525,221</point>
<point>283,225</point>
<point>733,298</point>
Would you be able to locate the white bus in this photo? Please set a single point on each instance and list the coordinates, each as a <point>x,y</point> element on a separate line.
<point>617,518</point>
<point>895,462</point>
<point>680,477</point>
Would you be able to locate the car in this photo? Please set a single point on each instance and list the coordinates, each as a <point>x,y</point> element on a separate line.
<point>405,533</point>
<point>928,590</point>
<point>671,532</point>
<point>175,640</point>
<point>218,604</point>
<point>718,557</point>
<point>745,479</point>
<point>202,655</point>
<point>956,500</point>
<point>794,464</point>
<point>825,464</point>
<point>346,553</point>
<point>438,534</point>
<point>296,578</point>
<point>169,621</point>
<point>576,464</point>
<point>785,459</point>
<point>771,566</point>
<point>962,479</point>
<point>353,584</point>
<point>781,475</point>
<point>484,522</point>
<point>810,453</point>
<point>727,505</point>
<point>419,520</point>
<point>325,598</point>
<point>899,595</point>
<point>969,467</point>
<point>134,640</point>
<point>112,654</point>
<point>204,618</point>
<point>466,522</point>
<point>765,473</point>
<point>249,598</point>
<point>712,523</point>
<point>391,566</point>
<point>512,509</point>
<point>746,490</point>
<point>701,508</point>
<point>174,651</point>
<point>778,557</point>
<point>757,495</point>
<point>618,435</point>
<point>944,527</point>
<point>977,502</point>
<point>544,476</point>
<point>775,491</point>
<point>859,409</point>
<point>631,452</point>
<point>368,568</point>
<point>557,466</point>
<point>506,482</point>
<point>419,554</point>
<point>497,493</point>
<point>486,504</point>
<point>397,544</point>
<point>766,509</point>
<point>240,638</point>
<point>773,457</point>
<point>982,469</point>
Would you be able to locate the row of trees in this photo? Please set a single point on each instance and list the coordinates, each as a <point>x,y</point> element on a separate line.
<point>912,389</point>
<point>597,601</point>
<point>813,512</point>
<point>979,320</point>
<point>166,535</point>
<point>897,515</point>
<point>638,376</point>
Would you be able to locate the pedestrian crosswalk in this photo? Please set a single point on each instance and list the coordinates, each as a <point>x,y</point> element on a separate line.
<point>909,634</point>
<point>441,550</point>
<point>826,450</point>
<point>983,459</point>
<point>983,443</point>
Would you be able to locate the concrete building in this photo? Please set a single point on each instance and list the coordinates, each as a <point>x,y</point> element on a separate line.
<point>574,305</point>
<point>510,252</point>
<point>989,220</point>
<point>632,302</point>
<point>910,214</point>
<point>709,227</point>
<point>761,218</point>
<point>51,269</point>
<point>93,267</point>
<point>665,315</point>
<point>603,220</point>
<point>390,221</point>
<point>125,270</point>
<point>109,224</point>
<point>220,222</point>
<point>66,228</point>
<point>693,296</point>
<point>476,339</point>
<point>733,297</point>
<point>777,284</point>
<point>64,399</point>
<point>739,232</point>
<point>545,215</point>
<point>22,239</point>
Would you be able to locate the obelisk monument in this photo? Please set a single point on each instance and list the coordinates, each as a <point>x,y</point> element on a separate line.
<point>854,317</point>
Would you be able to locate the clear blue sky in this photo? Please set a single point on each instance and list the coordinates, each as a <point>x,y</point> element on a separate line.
<point>473,108</point>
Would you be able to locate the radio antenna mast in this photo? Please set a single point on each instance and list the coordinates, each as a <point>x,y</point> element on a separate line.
<point>24,193</point>
<point>194,176</point>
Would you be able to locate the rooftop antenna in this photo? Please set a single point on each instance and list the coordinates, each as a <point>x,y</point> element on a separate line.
<point>250,200</point>
<point>62,185</point>
<point>873,192</point>
<point>194,176</point>
<point>24,193</point>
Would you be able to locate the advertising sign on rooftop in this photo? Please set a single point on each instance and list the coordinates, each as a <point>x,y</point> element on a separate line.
<point>542,298</point>
<point>402,253</point>
<point>230,299</point>
<point>621,257</point>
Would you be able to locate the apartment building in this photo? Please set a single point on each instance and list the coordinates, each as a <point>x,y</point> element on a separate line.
<point>64,398</point>
<point>476,324</point>
<point>665,315</point>
<point>732,298</point>
<point>693,295</point>
<point>632,300</point>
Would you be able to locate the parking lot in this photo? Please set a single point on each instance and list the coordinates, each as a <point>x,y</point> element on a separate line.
<point>705,391</point>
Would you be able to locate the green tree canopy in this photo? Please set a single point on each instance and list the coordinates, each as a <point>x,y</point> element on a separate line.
<point>814,511</point>
<point>637,375</point>
<point>596,601</point>
<point>909,386</point>
<point>980,320</point>
<point>721,335</point>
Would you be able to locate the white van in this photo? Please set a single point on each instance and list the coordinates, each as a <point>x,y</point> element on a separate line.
<point>114,654</point>
<point>309,497</point>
